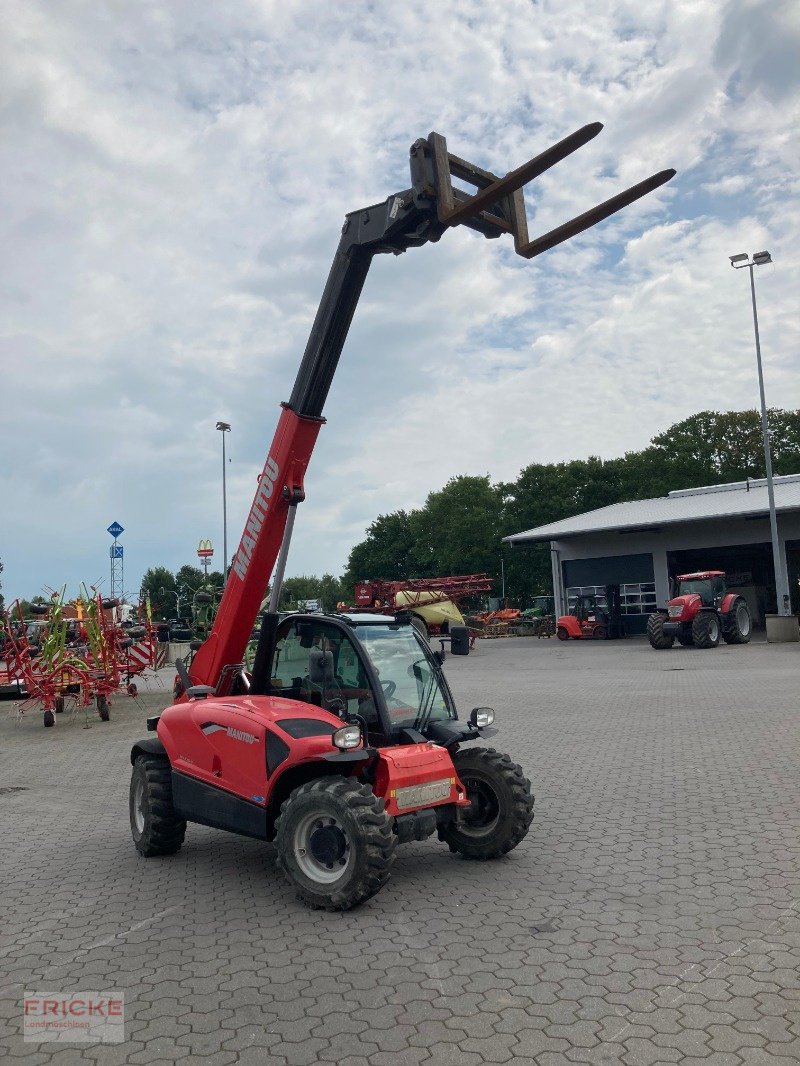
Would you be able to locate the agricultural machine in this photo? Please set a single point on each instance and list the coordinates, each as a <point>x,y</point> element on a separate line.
<point>700,613</point>
<point>74,651</point>
<point>343,741</point>
<point>429,603</point>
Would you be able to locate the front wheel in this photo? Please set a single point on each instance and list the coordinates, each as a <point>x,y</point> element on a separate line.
<point>739,626</point>
<point>335,843</point>
<point>501,808</point>
<point>705,630</point>
<point>155,826</point>
<point>655,632</point>
<point>562,633</point>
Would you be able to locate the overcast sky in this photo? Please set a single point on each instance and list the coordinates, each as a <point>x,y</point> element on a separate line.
<point>175,175</point>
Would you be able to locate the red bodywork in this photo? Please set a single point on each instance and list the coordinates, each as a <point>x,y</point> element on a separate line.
<point>691,603</point>
<point>280,482</point>
<point>588,630</point>
<point>224,744</point>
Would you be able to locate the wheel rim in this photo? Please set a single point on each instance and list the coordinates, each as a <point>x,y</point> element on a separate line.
<point>743,620</point>
<point>138,806</point>
<point>482,816</point>
<point>322,848</point>
<point>713,628</point>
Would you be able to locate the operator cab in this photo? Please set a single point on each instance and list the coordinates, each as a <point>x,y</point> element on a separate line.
<point>363,668</point>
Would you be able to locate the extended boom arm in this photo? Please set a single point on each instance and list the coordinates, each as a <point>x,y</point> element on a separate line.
<point>407,219</point>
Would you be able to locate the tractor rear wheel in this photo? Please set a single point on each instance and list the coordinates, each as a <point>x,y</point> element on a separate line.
<point>655,632</point>
<point>501,808</point>
<point>335,843</point>
<point>156,828</point>
<point>562,633</point>
<point>739,626</point>
<point>705,630</point>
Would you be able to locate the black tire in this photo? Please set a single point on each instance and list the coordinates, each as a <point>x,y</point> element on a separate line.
<point>102,708</point>
<point>706,630</point>
<point>655,632</point>
<point>599,632</point>
<point>421,626</point>
<point>203,597</point>
<point>136,632</point>
<point>39,608</point>
<point>502,805</point>
<point>49,719</point>
<point>59,708</point>
<point>107,604</point>
<point>335,843</point>
<point>739,625</point>
<point>155,826</point>
<point>562,633</point>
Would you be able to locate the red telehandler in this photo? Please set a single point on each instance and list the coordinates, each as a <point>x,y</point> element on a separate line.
<point>344,739</point>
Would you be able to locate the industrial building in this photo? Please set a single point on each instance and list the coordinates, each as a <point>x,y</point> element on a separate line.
<point>643,544</point>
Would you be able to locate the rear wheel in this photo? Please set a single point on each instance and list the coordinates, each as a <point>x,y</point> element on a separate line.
<point>562,634</point>
<point>59,708</point>
<point>655,632</point>
<point>501,808</point>
<point>739,626</point>
<point>102,708</point>
<point>49,719</point>
<point>705,630</point>
<point>335,843</point>
<point>156,828</point>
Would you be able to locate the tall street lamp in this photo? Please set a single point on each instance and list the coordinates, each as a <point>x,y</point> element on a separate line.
<point>781,582</point>
<point>224,428</point>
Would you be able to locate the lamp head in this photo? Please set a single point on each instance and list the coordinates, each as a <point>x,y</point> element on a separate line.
<point>737,259</point>
<point>761,258</point>
<point>224,427</point>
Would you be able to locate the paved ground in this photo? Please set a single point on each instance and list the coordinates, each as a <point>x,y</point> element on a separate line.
<point>650,917</point>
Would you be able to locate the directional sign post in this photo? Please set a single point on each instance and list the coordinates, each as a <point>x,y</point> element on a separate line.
<point>117,563</point>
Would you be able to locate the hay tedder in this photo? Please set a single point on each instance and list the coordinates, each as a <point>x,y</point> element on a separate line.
<point>76,651</point>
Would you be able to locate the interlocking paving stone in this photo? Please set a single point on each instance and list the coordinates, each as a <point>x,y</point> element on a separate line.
<point>650,917</point>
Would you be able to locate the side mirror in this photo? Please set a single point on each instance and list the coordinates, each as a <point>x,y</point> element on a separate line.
<point>481,717</point>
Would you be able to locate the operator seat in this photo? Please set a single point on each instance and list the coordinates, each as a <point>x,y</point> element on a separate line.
<point>320,685</point>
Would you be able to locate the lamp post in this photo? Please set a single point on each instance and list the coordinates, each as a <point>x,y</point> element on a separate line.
<point>781,584</point>
<point>224,428</point>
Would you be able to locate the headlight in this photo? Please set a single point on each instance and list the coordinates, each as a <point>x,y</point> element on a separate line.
<point>676,610</point>
<point>347,737</point>
<point>481,717</point>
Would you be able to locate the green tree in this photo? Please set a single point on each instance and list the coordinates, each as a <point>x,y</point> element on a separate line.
<point>458,530</point>
<point>189,577</point>
<point>159,586</point>
<point>385,554</point>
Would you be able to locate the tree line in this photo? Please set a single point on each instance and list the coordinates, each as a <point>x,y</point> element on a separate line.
<point>459,528</point>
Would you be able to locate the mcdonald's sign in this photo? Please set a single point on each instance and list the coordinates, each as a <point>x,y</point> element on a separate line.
<point>204,549</point>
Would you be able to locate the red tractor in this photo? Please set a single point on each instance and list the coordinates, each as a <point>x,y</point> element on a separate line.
<point>343,739</point>
<point>702,611</point>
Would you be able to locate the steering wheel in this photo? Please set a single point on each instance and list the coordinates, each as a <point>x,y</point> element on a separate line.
<point>388,688</point>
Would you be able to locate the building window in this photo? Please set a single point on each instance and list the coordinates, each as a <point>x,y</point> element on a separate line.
<point>638,597</point>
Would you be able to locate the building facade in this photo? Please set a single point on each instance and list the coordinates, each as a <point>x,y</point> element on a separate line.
<point>644,544</point>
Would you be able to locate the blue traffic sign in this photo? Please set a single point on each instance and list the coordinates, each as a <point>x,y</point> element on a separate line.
<point>115,551</point>
<point>115,529</point>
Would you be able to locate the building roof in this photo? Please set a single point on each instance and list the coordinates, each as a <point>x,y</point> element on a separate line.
<point>739,499</point>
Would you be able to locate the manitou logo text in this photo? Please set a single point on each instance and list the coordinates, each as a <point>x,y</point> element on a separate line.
<point>239,734</point>
<point>256,518</point>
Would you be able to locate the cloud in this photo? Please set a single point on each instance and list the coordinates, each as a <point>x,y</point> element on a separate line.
<point>176,179</point>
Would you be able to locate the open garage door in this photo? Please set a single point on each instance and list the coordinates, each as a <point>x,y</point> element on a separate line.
<point>748,568</point>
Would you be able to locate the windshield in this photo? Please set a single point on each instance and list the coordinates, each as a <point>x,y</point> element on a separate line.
<point>412,687</point>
